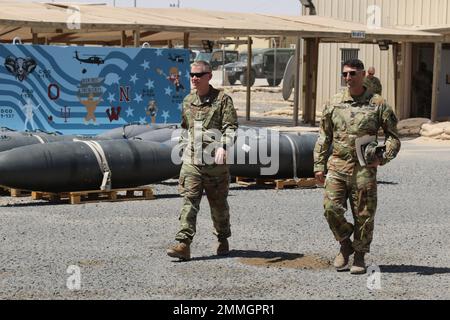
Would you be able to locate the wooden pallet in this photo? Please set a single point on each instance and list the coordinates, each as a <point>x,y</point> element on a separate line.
<point>12,192</point>
<point>93,196</point>
<point>278,183</point>
<point>300,183</point>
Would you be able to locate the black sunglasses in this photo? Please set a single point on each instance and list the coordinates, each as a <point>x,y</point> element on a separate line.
<point>352,73</point>
<point>198,74</point>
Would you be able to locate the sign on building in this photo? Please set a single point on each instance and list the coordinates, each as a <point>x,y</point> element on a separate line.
<point>358,34</point>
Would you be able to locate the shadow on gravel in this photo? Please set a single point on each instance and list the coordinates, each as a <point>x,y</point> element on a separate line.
<point>421,270</point>
<point>167,196</point>
<point>280,259</point>
<point>35,204</point>
<point>254,187</point>
<point>268,187</point>
<point>274,259</point>
<point>387,182</point>
<point>279,256</point>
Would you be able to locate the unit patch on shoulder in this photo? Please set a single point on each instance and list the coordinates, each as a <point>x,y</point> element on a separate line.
<point>377,100</point>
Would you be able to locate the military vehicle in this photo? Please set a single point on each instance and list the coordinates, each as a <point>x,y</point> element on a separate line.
<point>215,58</point>
<point>266,63</point>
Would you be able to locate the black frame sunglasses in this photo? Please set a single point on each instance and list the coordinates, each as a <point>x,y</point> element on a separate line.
<point>198,74</point>
<point>352,73</point>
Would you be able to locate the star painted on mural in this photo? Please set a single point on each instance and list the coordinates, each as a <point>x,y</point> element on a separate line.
<point>111,97</point>
<point>134,78</point>
<point>168,91</point>
<point>138,97</point>
<point>145,65</point>
<point>188,76</point>
<point>159,52</point>
<point>150,84</point>
<point>142,120</point>
<point>129,112</point>
<point>180,106</point>
<point>165,115</point>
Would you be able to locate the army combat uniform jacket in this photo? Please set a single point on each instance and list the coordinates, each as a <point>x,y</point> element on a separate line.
<point>215,117</point>
<point>343,120</point>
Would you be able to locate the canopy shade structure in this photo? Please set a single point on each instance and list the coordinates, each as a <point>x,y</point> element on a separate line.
<point>444,30</point>
<point>58,23</point>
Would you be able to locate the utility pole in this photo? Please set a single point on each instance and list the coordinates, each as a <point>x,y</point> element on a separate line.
<point>274,45</point>
<point>310,5</point>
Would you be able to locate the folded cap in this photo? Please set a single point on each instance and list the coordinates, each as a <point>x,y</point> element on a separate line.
<point>373,152</point>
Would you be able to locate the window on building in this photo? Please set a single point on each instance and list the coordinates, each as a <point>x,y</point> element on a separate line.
<point>347,54</point>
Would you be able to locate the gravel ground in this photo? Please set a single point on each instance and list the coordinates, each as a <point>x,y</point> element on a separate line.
<point>120,247</point>
<point>264,98</point>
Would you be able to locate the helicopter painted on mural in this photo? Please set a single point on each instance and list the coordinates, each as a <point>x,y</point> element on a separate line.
<point>176,58</point>
<point>92,59</point>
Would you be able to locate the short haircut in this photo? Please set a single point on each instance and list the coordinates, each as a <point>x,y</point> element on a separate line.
<point>206,66</point>
<point>354,63</point>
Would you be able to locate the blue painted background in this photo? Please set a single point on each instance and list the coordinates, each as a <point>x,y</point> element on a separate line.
<point>50,97</point>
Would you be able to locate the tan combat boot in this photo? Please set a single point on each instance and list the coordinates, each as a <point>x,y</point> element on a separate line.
<point>359,266</point>
<point>181,251</point>
<point>341,260</point>
<point>223,248</point>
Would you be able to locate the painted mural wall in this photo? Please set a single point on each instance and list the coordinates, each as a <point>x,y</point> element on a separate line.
<point>86,90</point>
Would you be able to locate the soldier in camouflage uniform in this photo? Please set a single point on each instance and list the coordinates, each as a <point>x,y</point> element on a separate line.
<point>351,114</point>
<point>373,83</point>
<point>211,122</point>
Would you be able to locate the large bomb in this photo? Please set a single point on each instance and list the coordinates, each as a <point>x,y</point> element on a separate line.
<point>264,153</point>
<point>86,165</point>
<point>131,130</point>
<point>15,139</point>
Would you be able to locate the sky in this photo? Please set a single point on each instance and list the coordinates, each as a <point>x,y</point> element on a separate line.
<point>278,7</point>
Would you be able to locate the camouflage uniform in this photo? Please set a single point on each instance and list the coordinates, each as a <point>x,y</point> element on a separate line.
<point>373,84</point>
<point>215,111</point>
<point>344,119</point>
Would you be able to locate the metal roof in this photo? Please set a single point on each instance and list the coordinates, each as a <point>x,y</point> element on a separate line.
<point>104,24</point>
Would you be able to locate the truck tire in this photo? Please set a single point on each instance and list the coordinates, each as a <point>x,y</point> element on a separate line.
<point>289,78</point>
<point>243,78</point>
<point>271,83</point>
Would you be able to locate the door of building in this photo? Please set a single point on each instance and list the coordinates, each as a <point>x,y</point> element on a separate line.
<point>422,80</point>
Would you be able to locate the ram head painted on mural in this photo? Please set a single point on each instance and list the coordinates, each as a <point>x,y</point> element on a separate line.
<point>20,67</point>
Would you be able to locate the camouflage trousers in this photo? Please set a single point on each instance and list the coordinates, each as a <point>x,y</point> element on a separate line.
<point>214,179</point>
<point>361,191</point>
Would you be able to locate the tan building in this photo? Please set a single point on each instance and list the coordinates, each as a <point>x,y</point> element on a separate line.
<point>415,90</point>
